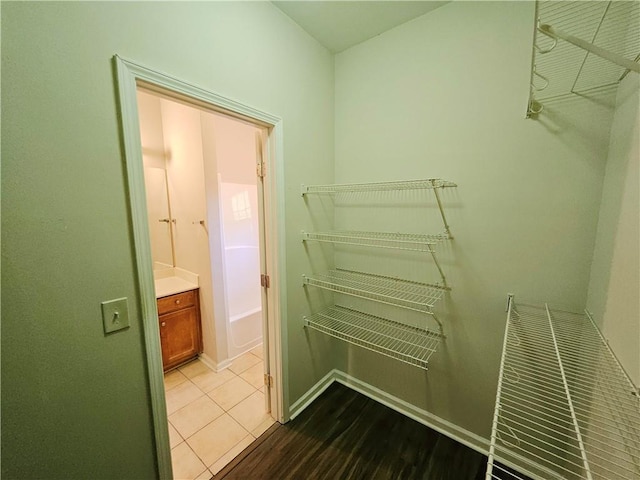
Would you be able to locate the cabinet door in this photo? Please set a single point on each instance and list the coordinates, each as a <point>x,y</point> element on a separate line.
<point>180,336</point>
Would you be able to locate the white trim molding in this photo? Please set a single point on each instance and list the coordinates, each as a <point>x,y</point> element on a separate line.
<point>212,364</point>
<point>130,75</point>
<point>459,434</point>
<point>314,392</point>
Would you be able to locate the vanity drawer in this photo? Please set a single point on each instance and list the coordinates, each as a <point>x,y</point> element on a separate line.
<point>176,302</point>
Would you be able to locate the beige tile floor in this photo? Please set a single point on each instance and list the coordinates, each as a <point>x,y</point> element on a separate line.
<point>214,416</point>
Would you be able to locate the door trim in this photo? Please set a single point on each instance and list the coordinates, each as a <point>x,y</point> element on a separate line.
<point>129,76</point>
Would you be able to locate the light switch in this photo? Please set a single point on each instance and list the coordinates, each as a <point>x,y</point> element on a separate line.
<point>115,315</point>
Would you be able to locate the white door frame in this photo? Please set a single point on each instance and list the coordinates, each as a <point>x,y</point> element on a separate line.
<point>129,76</point>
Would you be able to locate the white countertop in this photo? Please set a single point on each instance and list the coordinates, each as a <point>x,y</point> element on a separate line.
<point>172,285</point>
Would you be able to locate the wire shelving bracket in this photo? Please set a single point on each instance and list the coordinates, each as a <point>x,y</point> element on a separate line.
<point>565,407</point>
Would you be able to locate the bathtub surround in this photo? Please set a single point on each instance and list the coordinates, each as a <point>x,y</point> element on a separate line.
<point>238,206</point>
<point>241,250</point>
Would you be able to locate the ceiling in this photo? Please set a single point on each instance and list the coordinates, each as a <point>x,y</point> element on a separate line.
<point>339,25</point>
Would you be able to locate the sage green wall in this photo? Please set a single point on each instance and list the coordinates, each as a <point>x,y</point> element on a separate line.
<point>445,96</point>
<point>75,403</point>
<point>615,275</point>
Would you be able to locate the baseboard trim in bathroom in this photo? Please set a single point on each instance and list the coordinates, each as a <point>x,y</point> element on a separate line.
<point>216,367</point>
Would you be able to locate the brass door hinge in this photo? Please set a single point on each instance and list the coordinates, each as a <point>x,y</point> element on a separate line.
<point>265,281</point>
<point>268,380</point>
<point>261,169</point>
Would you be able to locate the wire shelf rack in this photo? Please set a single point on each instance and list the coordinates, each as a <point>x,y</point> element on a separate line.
<point>420,297</point>
<point>403,342</point>
<point>398,241</point>
<point>431,183</point>
<point>561,69</point>
<point>409,344</point>
<point>565,408</point>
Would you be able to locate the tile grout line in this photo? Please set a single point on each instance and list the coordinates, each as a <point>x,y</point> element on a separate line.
<point>225,411</point>
<point>238,443</point>
<point>235,445</point>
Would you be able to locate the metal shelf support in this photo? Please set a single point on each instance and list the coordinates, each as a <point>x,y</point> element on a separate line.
<point>590,47</point>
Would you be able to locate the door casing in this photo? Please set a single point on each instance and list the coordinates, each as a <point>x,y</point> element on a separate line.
<point>130,75</point>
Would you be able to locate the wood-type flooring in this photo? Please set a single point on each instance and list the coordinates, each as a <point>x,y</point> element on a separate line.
<point>345,435</point>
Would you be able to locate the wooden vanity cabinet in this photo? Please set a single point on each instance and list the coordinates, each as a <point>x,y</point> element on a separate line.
<point>180,328</point>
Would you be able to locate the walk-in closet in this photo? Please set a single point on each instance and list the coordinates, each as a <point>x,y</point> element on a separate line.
<point>445,264</point>
<point>497,282</point>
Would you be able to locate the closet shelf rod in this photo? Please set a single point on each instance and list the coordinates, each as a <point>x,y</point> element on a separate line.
<point>590,47</point>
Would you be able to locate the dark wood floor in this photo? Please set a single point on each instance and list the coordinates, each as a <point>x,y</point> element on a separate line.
<point>345,435</point>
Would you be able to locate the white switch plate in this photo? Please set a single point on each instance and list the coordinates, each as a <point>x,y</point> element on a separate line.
<point>115,314</point>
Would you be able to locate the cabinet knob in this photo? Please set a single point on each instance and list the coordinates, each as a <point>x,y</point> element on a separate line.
<point>163,324</point>
<point>177,302</point>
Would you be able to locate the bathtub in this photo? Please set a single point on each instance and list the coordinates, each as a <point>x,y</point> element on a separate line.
<point>244,298</point>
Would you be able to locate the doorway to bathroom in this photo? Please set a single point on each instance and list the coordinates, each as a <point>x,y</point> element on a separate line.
<point>204,211</point>
<point>203,172</point>
<point>204,181</point>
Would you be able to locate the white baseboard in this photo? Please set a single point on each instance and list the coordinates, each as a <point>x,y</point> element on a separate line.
<point>459,434</point>
<point>216,367</point>
<point>313,393</point>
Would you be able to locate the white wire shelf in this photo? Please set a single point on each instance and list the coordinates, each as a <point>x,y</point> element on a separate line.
<point>406,343</point>
<point>561,69</point>
<point>398,241</point>
<point>430,183</point>
<point>420,297</point>
<point>564,404</point>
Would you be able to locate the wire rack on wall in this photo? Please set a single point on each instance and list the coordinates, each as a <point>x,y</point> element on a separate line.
<point>399,241</point>
<point>434,184</point>
<point>417,296</point>
<point>409,344</point>
<point>378,186</point>
<point>581,47</point>
<point>565,408</point>
<point>404,336</point>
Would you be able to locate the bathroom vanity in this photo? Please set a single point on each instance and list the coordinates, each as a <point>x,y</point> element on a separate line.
<point>180,328</point>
